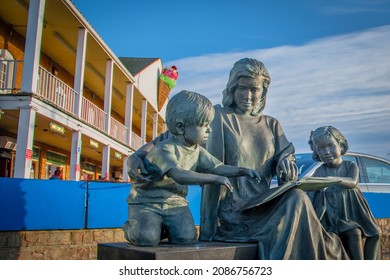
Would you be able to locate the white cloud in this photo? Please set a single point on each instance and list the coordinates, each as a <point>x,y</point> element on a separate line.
<point>344,7</point>
<point>342,81</point>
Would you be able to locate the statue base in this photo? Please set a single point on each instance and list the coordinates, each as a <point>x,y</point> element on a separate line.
<point>166,251</point>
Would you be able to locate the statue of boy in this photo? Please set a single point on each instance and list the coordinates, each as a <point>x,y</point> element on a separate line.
<point>160,203</point>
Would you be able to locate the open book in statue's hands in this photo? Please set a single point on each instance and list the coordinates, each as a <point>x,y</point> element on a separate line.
<point>305,184</point>
<point>315,183</point>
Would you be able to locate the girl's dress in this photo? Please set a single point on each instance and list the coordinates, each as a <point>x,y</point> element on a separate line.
<point>346,208</point>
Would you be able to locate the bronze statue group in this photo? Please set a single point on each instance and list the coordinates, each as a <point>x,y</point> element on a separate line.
<point>233,151</point>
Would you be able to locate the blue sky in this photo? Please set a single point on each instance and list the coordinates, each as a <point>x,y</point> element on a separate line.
<point>329,61</point>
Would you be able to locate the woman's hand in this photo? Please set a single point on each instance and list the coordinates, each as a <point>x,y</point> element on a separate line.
<point>287,170</point>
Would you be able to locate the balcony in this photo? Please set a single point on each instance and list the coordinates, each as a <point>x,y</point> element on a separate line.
<point>92,114</point>
<point>118,130</point>
<point>136,141</point>
<point>54,91</point>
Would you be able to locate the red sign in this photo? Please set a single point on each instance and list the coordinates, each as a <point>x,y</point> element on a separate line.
<point>77,167</point>
<point>29,154</point>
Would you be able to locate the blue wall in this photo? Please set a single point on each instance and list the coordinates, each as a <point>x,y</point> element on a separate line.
<point>41,204</point>
<point>53,204</point>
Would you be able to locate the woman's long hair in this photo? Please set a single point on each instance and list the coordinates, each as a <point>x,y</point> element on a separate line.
<point>246,67</point>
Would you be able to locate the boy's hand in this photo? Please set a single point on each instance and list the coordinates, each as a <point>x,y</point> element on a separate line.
<point>135,167</point>
<point>224,181</point>
<point>251,173</point>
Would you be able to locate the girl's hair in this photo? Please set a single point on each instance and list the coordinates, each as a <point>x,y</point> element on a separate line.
<point>189,108</point>
<point>327,131</point>
<point>246,67</point>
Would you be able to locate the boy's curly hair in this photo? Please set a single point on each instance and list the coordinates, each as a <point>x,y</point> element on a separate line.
<point>189,108</point>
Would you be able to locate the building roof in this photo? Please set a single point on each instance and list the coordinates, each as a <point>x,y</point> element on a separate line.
<point>136,64</point>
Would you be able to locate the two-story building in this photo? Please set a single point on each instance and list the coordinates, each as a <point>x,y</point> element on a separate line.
<point>67,101</point>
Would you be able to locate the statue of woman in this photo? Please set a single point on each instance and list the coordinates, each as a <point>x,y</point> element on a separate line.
<point>287,226</point>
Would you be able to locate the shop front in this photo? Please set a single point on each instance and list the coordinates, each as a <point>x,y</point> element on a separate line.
<point>55,161</point>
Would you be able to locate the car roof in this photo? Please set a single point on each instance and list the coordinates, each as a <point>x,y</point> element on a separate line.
<point>354,154</point>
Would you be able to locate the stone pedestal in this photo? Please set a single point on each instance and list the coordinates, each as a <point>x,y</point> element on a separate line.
<point>166,251</point>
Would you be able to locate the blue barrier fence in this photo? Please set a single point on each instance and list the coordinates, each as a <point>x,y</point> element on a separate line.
<point>29,204</point>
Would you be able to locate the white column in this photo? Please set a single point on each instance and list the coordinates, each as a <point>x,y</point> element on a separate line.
<point>155,124</point>
<point>143,120</point>
<point>32,49</point>
<point>108,95</point>
<point>129,112</point>
<point>25,142</point>
<point>125,176</point>
<point>75,155</point>
<point>106,162</point>
<point>80,69</point>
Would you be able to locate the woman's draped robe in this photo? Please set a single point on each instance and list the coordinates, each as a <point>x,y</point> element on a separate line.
<point>287,226</point>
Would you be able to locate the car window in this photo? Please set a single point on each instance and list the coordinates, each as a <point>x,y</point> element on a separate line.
<point>377,171</point>
<point>354,159</point>
<point>303,161</point>
<point>350,158</point>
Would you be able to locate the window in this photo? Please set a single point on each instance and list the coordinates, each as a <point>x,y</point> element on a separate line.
<point>304,161</point>
<point>55,161</point>
<point>377,171</point>
<point>354,159</point>
<point>6,71</point>
<point>350,158</point>
<point>34,173</point>
<point>88,171</point>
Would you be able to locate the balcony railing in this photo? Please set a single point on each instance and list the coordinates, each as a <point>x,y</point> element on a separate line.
<point>92,114</point>
<point>136,141</point>
<point>56,91</point>
<point>118,130</point>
